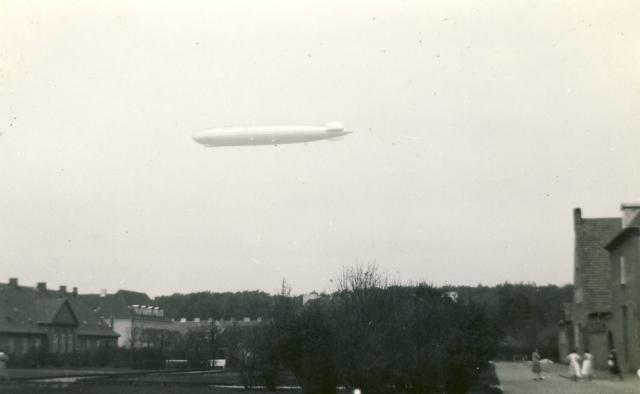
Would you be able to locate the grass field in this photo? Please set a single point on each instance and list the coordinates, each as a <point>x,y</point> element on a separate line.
<point>32,373</point>
<point>121,382</point>
<point>125,389</point>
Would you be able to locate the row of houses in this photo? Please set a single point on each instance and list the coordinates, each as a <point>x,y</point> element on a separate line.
<point>141,323</point>
<point>605,312</point>
<point>39,319</point>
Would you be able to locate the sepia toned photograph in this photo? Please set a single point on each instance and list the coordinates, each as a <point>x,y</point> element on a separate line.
<point>319,197</point>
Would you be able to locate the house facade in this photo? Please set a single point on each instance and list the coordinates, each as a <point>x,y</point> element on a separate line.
<point>38,319</point>
<point>624,325</point>
<point>135,318</point>
<point>586,319</point>
<point>605,312</point>
<point>140,323</point>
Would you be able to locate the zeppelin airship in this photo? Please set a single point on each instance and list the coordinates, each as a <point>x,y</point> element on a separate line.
<point>269,135</point>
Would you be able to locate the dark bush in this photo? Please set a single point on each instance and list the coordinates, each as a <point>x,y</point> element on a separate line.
<point>383,339</point>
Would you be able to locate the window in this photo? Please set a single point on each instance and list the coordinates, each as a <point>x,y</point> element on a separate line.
<point>54,342</point>
<point>578,296</point>
<point>25,345</point>
<point>63,342</point>
<point>623,271</point>
<point>70,342</point>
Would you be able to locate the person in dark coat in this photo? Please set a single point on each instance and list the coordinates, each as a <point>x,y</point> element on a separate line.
<point>614,366</point>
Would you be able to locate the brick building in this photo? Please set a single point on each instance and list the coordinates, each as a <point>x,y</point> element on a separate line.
<point>585,322</point>
<point>624,253</point>
<point>605,311</point>
<point>37,319</point>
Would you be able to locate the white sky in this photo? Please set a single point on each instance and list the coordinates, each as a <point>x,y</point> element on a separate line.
<point>478,126</point>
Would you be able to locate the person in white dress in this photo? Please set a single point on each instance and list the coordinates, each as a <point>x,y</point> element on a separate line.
<point>4,375</point>
<point>587,365</point>
<point>574,365</point>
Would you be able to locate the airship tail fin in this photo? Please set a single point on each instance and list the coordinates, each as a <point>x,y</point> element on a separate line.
<point>335,126</point>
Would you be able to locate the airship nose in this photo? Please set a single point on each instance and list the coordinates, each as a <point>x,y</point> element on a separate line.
<point>197,137</point>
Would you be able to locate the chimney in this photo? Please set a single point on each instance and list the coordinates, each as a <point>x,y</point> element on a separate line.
<point>42,286</point>
<point>577,216</point>
<point>75,291</point>
<point>13,282</point>
<point>629,213</point>
<point>63,289</point>
<point>103,293</point>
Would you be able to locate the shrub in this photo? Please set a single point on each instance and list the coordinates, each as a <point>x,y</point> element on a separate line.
<point>383,339</point>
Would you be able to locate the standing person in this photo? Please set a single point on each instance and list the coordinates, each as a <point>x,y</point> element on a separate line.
<point>4,374</point>
<point>587,365</point>
<point>614,366</point>
<point>574,365</point>
<point>535,365</point>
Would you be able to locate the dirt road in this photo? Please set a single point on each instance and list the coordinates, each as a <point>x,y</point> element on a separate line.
<point>517,378</point>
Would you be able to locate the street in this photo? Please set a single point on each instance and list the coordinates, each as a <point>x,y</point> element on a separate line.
<point>516,377</point>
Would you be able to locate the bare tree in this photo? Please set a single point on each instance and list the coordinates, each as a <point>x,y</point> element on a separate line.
<point>362,277</point>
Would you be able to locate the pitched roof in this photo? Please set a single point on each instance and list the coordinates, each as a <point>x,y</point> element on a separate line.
<point>48,308</point>
<point>28,310</point>
<point>635,222</point>
<point>621,236</point>
<point>89,322</point>
<point>592,260</point>
<point>118,305</point>
<point>134,297</point>
<point>632,227</point>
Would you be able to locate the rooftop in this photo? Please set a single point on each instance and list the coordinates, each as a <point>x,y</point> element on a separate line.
<point>26,309</point>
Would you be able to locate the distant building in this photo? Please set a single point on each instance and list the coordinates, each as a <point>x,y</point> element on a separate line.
<point>37,319</point>
<point>309,297</point>
<point>134,317</point>
<point>140,323</point>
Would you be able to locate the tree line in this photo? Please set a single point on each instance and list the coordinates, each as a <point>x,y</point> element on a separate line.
<point>225,305</point>
<point>380,336</point>
<point>525,314</point>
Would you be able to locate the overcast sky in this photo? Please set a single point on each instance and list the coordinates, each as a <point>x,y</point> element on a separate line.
<point>478,127</point>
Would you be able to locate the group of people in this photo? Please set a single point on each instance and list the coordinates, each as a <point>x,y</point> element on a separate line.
<point>585,370</point>
<point>577,370</point>
<point>580,367</point>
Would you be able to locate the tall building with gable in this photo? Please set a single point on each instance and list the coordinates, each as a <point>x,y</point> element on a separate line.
<point>605,312</point>
<point>38,319</point>
<point>592,289</point>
